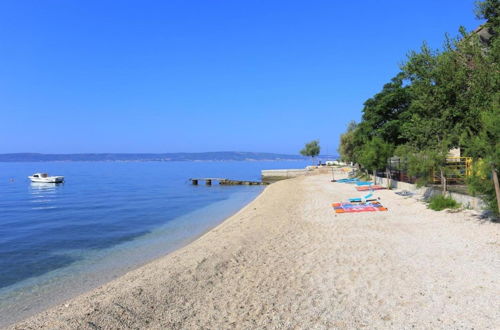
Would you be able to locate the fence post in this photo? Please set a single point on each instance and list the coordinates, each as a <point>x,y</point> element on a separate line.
<point>497,188</point>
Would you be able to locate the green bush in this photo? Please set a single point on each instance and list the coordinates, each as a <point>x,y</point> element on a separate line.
<point>440,202</point>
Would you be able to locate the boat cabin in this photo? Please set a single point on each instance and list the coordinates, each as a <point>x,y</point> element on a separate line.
<point>40,175</point>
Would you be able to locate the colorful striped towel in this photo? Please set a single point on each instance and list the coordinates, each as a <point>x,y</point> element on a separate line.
<point>358,207</point>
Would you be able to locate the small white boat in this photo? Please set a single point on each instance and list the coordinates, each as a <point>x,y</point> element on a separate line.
<point>45,178</point>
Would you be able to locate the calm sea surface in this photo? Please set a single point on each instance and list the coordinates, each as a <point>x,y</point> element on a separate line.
<point>57,241</point>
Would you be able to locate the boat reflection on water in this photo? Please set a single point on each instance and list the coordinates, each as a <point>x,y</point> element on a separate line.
<point>45,185</point>
<point>44,195</point>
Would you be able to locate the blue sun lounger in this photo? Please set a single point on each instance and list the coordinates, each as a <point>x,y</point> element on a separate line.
<point>362,199</point>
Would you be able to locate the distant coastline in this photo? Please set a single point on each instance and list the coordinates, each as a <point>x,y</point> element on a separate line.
<point>148,157</point>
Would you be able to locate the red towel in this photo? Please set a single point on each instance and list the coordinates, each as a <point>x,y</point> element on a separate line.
<point>367,188</point>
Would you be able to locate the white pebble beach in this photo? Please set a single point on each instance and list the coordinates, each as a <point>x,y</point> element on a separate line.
<point>287,260</point>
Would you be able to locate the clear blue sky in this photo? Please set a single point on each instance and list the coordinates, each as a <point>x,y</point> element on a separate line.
<point>211,75</point>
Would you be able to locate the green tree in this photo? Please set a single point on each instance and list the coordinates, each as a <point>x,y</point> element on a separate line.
<point>441,109</point>
<point>374,155</point>
<point>438,111</point>
<point>422,163</point>
<point>384,113</point>
<point>487,146</point>
<point>484,145</point>
<point>347,146</point>
<point>311,149</point>
<point>489,10</point>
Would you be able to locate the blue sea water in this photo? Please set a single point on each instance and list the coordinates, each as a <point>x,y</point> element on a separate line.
<point>57,241</point>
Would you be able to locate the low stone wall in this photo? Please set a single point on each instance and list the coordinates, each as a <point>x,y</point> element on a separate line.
<point>269,176</point>
<point>321,169</point>
<point>467,201</point>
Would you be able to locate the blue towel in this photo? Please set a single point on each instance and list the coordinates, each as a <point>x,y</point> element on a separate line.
<point>364,183</point>
<point>348,180</point>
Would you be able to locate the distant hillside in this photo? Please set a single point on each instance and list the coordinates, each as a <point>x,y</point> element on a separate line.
<point>201,156</point>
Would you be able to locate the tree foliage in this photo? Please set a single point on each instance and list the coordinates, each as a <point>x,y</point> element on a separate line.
<point>311,149</point>
<point>374,154</point>
<point>488,9</point>
<point>347,145</point>
<point>384,114</point>
<point>487,146</point>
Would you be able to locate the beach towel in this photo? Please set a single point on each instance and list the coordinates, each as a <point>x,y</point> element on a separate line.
<point>358,207</point>
<point>363,183</point>
<point>372,187</point>
<point>348,180</point>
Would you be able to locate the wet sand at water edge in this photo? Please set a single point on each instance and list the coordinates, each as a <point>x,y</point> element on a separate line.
<point>287,260</point>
